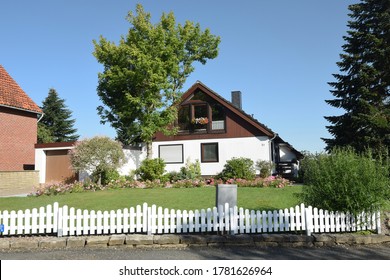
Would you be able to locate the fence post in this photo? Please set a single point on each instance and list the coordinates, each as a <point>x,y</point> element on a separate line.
<point>59,222</point>
<point>149,217</point>
<point>378,223</point>
<point>309,220</point>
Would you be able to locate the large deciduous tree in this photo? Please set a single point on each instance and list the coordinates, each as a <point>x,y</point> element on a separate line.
<point>57,124</point>
<point>144,73</point>
<point>362,88</point>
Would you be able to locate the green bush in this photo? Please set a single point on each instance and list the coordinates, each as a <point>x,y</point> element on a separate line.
<point>106,176</point>
<point>191,171</point>
<point>238,168</point>
<point>151,169</point>
<point>265,168</point>
<point>345,181</point>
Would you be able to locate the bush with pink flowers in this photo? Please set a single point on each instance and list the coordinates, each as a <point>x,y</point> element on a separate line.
<point>125,183</point>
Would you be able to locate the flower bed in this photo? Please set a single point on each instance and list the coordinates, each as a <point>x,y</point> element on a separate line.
<point>62,188</point>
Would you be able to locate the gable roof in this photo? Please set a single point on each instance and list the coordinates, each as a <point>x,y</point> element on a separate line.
<point>199,85</point>
<point>12,95</point>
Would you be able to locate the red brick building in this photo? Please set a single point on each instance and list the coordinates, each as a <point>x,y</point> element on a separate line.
<point>18,126</point>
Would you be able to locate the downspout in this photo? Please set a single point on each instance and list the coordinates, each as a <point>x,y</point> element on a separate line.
<point>40,118</point>
<point>271,149</point>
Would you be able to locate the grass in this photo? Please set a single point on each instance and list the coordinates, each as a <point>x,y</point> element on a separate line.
<point>183,199</point>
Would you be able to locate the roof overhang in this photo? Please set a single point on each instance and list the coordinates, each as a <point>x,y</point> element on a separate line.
<point>21,109</point>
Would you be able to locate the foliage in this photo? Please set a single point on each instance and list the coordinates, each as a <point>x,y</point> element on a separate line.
<point>191,170</point>
<point>345,181</point>
<point>238,168</point>
<point>106,176</point>
<point>265,168</point>
<point>97,155</point>
<point>188,183</point>
<point>44,134</point>
<point>62,188</point>
<point>56,124</point>
<point>362,88</point>
<point>144,73</point>
<point>151,169</point>
<point>124,183</point>
<point>270,181</point>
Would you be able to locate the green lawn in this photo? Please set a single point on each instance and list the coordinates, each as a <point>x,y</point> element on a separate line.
<point>183,199</point>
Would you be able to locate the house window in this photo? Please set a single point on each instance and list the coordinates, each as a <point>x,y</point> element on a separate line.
<point>218,117</point>
<point>201,114</point>
<point>209,152</point>
<point>171,153</point>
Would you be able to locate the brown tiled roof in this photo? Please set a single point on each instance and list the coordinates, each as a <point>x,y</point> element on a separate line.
<point>11,94</point>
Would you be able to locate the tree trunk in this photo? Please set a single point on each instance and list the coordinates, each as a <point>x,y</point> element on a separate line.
<point>149,151</point>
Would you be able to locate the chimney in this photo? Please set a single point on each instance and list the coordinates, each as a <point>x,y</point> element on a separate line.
<point>236,99</point>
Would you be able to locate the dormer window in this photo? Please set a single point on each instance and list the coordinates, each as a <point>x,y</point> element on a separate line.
<point>201,114</point>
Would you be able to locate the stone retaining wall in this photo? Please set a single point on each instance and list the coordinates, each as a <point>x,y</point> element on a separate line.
<point>171,240</point>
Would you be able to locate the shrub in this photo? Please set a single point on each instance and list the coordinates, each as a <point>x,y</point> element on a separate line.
<point>106,176</point>
<point>97,155</point>
<point>151,169</point>
<point>238,168</point>
<point>191,171</point>
<point>265,168</point>
<point>345,181</point>
<point>270,181</point>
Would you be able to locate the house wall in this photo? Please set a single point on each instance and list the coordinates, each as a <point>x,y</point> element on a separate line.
<point>133,158</point>
<point>235,127</point>
<point>255,148</point>
<point>17,138</point>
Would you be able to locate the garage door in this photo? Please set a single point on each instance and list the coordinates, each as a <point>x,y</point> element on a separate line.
<point>58,167</point>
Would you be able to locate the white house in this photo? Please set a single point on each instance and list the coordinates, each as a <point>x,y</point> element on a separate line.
<point>211,130</point>
<point>214,130</point>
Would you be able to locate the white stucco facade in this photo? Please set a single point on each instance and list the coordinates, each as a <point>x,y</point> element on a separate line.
<point>133,159</point>
<point>254,148</point>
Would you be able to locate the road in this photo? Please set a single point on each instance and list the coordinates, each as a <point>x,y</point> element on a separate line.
<point>366,252</point>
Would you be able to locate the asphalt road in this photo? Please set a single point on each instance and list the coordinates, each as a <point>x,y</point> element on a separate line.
<point>366,252</point>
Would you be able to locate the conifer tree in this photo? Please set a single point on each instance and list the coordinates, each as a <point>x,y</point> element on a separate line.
<point>56,124</point>
<point>362,88</point>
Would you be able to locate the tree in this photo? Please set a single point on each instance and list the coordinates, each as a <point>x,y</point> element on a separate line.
<point>56,124</point>
<point>97,156</point>
<point>144,73</point>
<point>362,88</point>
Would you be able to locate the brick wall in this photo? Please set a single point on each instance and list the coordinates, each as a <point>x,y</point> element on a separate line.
<point>18,182</point>
<point>18,134</point>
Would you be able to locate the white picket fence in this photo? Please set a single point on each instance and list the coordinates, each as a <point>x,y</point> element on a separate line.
<point>65,221</point>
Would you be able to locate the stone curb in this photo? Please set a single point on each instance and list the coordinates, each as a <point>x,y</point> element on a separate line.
<point>186,240</point>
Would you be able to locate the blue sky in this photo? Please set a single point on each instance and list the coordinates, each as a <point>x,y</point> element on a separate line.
<point>279,54</point>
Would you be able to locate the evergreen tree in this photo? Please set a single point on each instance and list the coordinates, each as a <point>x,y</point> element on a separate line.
<point>56,124</point>
<point>362,87</point>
